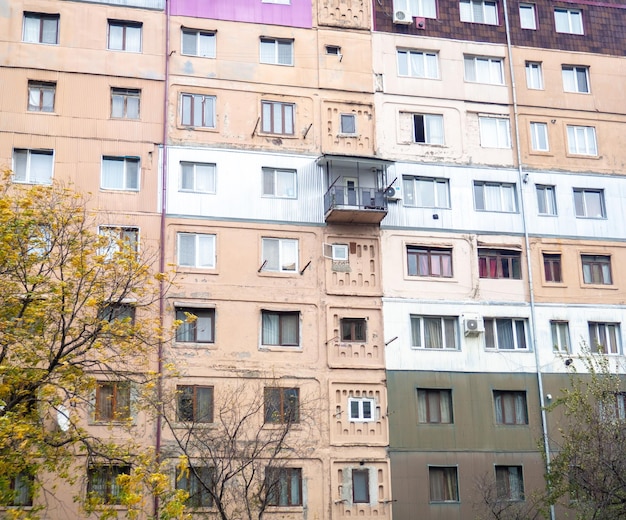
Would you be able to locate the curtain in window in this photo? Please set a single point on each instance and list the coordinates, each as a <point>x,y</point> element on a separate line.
<point>520,332</point>
<point>466,13</point>
<point>284,53</point>
<point>205,178</point>
<point>206,45</point>
<point>198,111</point>
<point>271,254</point>
<point>289,255</point>
<point>434,129</point>
<point>593,201</point>
<point>483,70</point>
<point>433,334</point>
<point>445,404</point>
<point>113,173</point>
<point>133,39</point>
<point>116,37</point>
<point>416,331</point>
<point>493,192</point>
<point>268,51</point>
<point>450,330</point>
<point>417,64</point>
<point>422,406</point>
<point>294,487</point>
<point>423,267</point>
<point>425,193</point>
<point>31,29</point>
<point>190,42</point>
<point>270,324</point>
<point>505,334</point>
<point>40,167</point>
<point>469,62</point>
<point>186,109</point>
<point>206,250</point>
<point>443,484</point>
<point>204,404</point>
<point>520,408</point>
<point>289,329</point>
<point>204,328</point>
<point>104,401</point>
<point>132,107</point>
<point>285,183</point>
<point>425,8</point>
<point>186,249</point>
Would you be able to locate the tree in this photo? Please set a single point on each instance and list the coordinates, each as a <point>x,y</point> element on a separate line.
<point>68,296</point>
<point>587,474</point>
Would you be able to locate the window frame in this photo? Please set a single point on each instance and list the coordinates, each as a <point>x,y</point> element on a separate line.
<point>484,203</point>
<point>193,480</point>
<point>360,495</point>
<point>428,60</point>
<point>41,18</point>
<point>126,179</point>
<point>611,332</point>
<point>501,130</point>
<point>596,269</point>
<point>572,25</point>
<point>443,479</point>
<point>534,75</point>
<point>281,412</point>
<point>272,123</point>
<point>431,408</point>
<point>208,111</point>
<point>493,76</point>
<point>202,259</point>
<point>552,267</point>
<point>429,124</point>
<point>112,492</point>
<point>125,236</point>
<point>532,8</point>
<point>414,195</point>
<point>279,189</point>
<point>187,332</point>
<point>537,138</point>
<point>283,244</point>
<point>572,80</point>
<point>126,94</point>
<point>21,490</point>
<point>517,407</point>
<point>120,397</point>
<point>361,415</point>
<point>189,172</point>
<point>493,341</point>
<point>276,44</point>
<point>577,144</point>
<point>347,128</point>
<point>198,34</point>
<point>123,44</point>
<point>468,12</point>
<point>277,495</point>
<point>447,339</point>
<point>28,166</point>
<point>581,204</point>
<point>285,320</point>
<point>436,265</point>
<point>417,8</point>
<point>560,336</point>
<point>194,395</point>
<point>353,330</point>
<point>546,200</point>
<point>41,88</point>
<point>504,483</point>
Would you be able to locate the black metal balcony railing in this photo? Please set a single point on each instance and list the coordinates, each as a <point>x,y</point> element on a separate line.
<point>364,205</point>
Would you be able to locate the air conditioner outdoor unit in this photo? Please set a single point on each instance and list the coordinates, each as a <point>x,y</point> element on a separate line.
<point>473,324</point>
<point>402,17</point>
<point>393,193</point>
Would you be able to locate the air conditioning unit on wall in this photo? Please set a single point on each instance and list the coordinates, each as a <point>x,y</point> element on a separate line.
<point>473,324</point>
<point>402,17</point>
<point>393,193</point>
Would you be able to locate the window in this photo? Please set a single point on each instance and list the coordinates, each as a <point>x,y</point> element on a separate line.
<point>479,11</point>
<point>428,128</point>
<point>604,337</point>
<point>534,75</point>
<point>426,192</point>
<point>568,21</point>
<point>495,196</point>
<point>539,137</point>
<point>119,312</point>
<point>552,267</point>
<point>118,239</point>
<point>596,269</point>
<point>589,203</point>
<point>360,486</point>
<point>505,333</point>
<point>496,263</point>
<point>560,336</point>
<point>438,332</point>
<point>277,118</point>
<point>197,481</point>
<point>484,70</point>
<point>575,79</point>
<point>527,16</point>
<point>198,330</point>
<point>494,132</point>
<point>347,124</point>
<point>434,406</point>
<point>41,28</point>
<point>120,173</point>
<point>280,255</point>
<point>198,43</point>
<point>282,405</point>
<point>197,110</point>
<point>361,409</point>
<point>112,401</point>
<point>102,482</point>
<point>196,250</point>
<point>333,50</point>
<point>33,166</point>
<point>509,483</point>
<point>279,183</point>
<point>280,328</point>
<point>424,261</point>
<point>339,252</point>
<point>20,490</point>
<point>510,407</point>
<point>276,52</point>
<point>194,404</point>
<point>418,64</point>
<point>421,8</point>
<point>613,407</point>
<point>197,177</point>
<point>125,103</point>
<point>546,199</point>
<point>444,486</point>
<point>124,36</point>
<point>581,140</point>
<point>41,96</point>
<point>284,486</point>
<point>353,329</point>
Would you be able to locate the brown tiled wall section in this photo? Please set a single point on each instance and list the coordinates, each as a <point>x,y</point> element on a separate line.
<point>604,26</point>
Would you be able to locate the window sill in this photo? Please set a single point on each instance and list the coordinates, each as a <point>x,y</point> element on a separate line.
<point>541,153</point>
<point>197,56</point>
<point>546,215</point>
<point>182,425</point>
<point>135,119</point>
<point>434,349</point>
<point>279,136</point>
<point>194,345</point>
<point>198,128</point>
<point>440,279</point>
<point>555,285</point>
<point>445,502</point>
<point>582,156</point>
<point>193,192</point>
<point>590,218</point>
<point>42,112</point>
<point>596,286</point>
<point>280,348</point>
<point>120,190</point>
<point>481,23</point>
<point>182,269</point>
<point>279,273</point>
<point>285,509</point>
<point>348,136</point>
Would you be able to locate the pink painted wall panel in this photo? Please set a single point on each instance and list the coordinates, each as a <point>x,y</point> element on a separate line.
<point>298,14</point>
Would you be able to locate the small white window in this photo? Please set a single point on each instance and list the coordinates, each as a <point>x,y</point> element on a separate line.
<point>560,336</point>
<point>118,238</point>
<point>280,255</point>
<point>479,69</point>
<point>546,199</point>
<point>120,173</point>
<point>124,36</point>
<point>361,410</point>
<point>589,203</point>
<point>276,52</point>
<point>568,21</point>
<point>197,177</point>
<point>41,28</point>
<point>428,128</point>
<point>581,140</point>
<point>340,252</point>
<point>479,11</point>
<point>196,250</point>
<point>279,183</point>
<point>495,132</point>
<point>495,196</point>
<point>575,79</point>
<point>534,75</point>
<point>348,124</point>
<point>417,8</point>
<point>33,166</point>
<point>41,96</point>
<point>418,64</point>
<point>426,192</point>
<point>527,16</point>
<point>198,43</point>
<point>539,137</point>
<point>197,110</point>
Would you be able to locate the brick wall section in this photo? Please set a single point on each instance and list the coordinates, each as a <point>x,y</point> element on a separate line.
<point>604,26</point>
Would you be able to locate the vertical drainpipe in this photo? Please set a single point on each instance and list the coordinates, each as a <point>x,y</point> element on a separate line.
<point>522,181</point>
<point>157,443</point>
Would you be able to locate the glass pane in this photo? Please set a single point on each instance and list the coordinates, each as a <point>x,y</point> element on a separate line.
<point>49,34</point>
<point>289,255</point>
<point>116,36</point>
<point>206,246</point>
<point>271,254</point>
<point>189,42</point>
<point>40,168</point>
<point>186,249</point>
<point>133,39</point>
<point>207,46</point>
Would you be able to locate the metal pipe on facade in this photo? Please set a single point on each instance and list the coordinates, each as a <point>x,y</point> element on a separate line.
<point>522,181</point>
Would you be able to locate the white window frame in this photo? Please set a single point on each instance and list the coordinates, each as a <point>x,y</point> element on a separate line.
<point>197,177</point>
<point>347,124</point>
<point>546,199</point>
<point>340,252</point>
<point>129,97</point>
<point>204,250</point>
<point>280,183</point>
<point>28,176</point>
<point>41,96</point>
<point>417,8</point>
<point>432,128</point>
<point>205,42</point>
<point>31,20</point>
<point>442,338</point>
<point>539,136</point>
<point>581,140</point>
<point>572,80</point>
<point>504,202</point>
<point>581,197</point>
<point>284,262</point>
<point>534,75</point>
<point>560,336</point>
<point>207,113</point>
<point>528,16</point>
<point>418,64</point>
<point>493,334</point>
<point>361,415</point>
<point>437,191</point>
<point>118,235</point>
<point>612,335</point>
<point>277,117</point>
<point>484,69</point>
<point>126,43</point>
<point>125,182</point>
<point>495,132</point>
<point>479,11</point>
<point>568,21</point>
<point>269,51</point>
